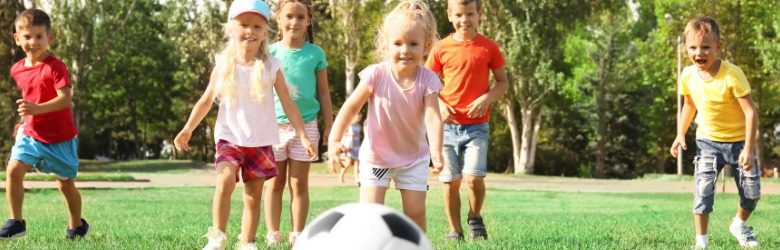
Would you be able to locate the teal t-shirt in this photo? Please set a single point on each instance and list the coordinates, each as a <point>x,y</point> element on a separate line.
<point>300,67</point>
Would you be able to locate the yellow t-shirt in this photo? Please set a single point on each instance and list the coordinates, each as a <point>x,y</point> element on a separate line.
<point>719,117</point>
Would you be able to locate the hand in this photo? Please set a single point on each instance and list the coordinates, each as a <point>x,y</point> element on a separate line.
<point>746,160</point>
<point>438,163</point>
<point>343,170</point>
<point>335,149</point>
<point>181,142</point>
<point>325,134</point>
<point>27,108</point>
<point>678,143</point>
<point>446,113</point>
<point>478,108</point>
<point>311,150</point>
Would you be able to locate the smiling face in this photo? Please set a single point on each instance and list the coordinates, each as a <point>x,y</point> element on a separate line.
<point>34,40</point>
<point>293,20</point>
<point>464,18</point>
<point>702,49</point>
<point>407,44</point>
<point>249,30</point>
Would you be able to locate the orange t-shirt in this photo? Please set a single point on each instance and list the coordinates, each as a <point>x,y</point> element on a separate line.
<point>465,69</point>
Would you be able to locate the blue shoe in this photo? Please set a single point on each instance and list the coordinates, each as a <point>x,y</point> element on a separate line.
<point>13,229</point>
<point>79,232</point>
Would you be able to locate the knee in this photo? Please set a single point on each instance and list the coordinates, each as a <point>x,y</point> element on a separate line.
<point>415,212</point>
<point>475,181</point>
<point>16,171</point>
<point>453,186</point>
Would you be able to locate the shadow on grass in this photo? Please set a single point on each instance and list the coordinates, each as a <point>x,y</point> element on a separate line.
<point>146,166</point>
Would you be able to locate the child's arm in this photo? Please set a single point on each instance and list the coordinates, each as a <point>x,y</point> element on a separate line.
<point>199,111</point>
<point>326,107</point>
<point>293,113</point>
<point>683,122</point>
<point>479,107</point>
<point>351,107</point>
<point>62,101</point>
<point>433,126</point>
<point>751,119</point>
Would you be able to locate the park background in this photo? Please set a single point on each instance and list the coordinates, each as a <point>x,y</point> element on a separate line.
<point>592,96</point>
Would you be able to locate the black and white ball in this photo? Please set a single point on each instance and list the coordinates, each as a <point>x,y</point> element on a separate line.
<point>362,226</point>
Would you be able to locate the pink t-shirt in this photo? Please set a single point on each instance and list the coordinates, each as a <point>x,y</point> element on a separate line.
<point>395,125</point>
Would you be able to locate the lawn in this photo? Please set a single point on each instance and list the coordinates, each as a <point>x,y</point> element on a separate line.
<point>176,218</point>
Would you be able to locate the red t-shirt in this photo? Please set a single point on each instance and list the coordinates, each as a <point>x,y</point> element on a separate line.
<point>465,69</point>
<point>39,84</point>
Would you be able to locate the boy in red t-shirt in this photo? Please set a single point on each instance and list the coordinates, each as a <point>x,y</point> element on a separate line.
<point>465,60</point>
<point>47,138</point>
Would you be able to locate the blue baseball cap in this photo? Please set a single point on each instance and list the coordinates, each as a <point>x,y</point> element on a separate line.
<point>239,7</point>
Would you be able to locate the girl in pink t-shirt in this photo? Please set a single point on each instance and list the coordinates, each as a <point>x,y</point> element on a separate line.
<point>402,107</point>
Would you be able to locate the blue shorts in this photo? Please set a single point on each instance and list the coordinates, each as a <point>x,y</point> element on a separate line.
<point>465,151</point>
<point>59,158</point>
<point>711,158</point>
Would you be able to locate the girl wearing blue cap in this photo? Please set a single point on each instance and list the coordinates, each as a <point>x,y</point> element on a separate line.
<point>242,83</point>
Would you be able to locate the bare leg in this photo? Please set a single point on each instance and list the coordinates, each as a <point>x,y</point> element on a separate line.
<point>299,190</point>
<point>373,195</point>
<point>226,183</point>
<point>14,187</point>
<point>414,206</point>
<point>701,222</point>
<point>452,204</point>
<point>73,199</point>
<point>476,186</point>
<point>743,214</point>
<point>253,192</point>
<point>273,197</point>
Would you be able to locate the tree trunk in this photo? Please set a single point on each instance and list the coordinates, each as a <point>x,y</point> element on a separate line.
<point>529,132</point>
<point>509,114</point>
<point>535,137</point>
<point>351,64</point>
<point>601,143</point>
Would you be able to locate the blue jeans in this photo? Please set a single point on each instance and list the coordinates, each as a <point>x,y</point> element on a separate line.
<point>465,151</point>
<point>710,159</point>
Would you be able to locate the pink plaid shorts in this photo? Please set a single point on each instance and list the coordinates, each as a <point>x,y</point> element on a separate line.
<point>254,162</point>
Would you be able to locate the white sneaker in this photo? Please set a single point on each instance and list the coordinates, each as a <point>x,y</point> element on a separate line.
<point>699,246</point>
<point>248,246</point>
<point>292,237</point>
<point>273,238</point>
<point>217,239</point>
<point>744,235</point>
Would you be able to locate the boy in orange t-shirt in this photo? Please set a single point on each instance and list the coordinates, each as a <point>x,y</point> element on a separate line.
<point>464,60</point>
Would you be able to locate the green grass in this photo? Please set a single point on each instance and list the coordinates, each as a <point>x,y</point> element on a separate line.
<point>689,178</point>
<point>176,218</point>
<point>139,166</point>
<point>81,177</point>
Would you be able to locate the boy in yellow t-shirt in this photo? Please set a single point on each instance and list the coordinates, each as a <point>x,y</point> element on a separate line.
<point>726,121</point>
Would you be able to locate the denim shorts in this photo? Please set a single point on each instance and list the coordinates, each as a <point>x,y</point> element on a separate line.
<point>465,151</point>
<point>710,159</point>
<point>59,158</point>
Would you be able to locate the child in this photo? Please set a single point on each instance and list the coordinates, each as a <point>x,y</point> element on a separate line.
<point>726,120</point>
<point>464,60</point>
<point>48,138</point>
<point>351,142</point>
<point>305,68</point>
<point>394,147</point>
<point>246,127</point>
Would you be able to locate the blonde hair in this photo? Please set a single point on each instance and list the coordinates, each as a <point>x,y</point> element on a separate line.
<point>464,3</point>
<point>226,68</point>
<point>703,26</point>
<point>307,4</point>
<point>412,10</point>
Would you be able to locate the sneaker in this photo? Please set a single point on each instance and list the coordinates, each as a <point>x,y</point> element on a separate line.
<point>477,228</point>
<point>247,246</point>
<point>80,231</point>
<point>744,235</point>
<point>217,239</point>
<point>454,236</point>
<point>273,238</point>
<point>13,229</point>
<point>698,246</point>
<point>292,237</point>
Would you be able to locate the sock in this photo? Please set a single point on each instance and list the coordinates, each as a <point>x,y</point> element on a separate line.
<point>701,240</point>
<point>738,221</point>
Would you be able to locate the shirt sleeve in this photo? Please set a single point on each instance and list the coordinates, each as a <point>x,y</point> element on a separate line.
<point>496,59</point>
<point>432,83</point>
<point>323,62</point>
<point>368,76</point>
<point>434,62</point>
<point>60,76</point>
<point>739,83</point>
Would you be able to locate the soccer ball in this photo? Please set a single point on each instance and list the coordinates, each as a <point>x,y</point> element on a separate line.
<point>362,226</point>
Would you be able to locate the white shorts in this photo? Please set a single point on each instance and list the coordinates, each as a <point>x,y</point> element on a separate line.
<point>290,146</point>
<point>410,177</point>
